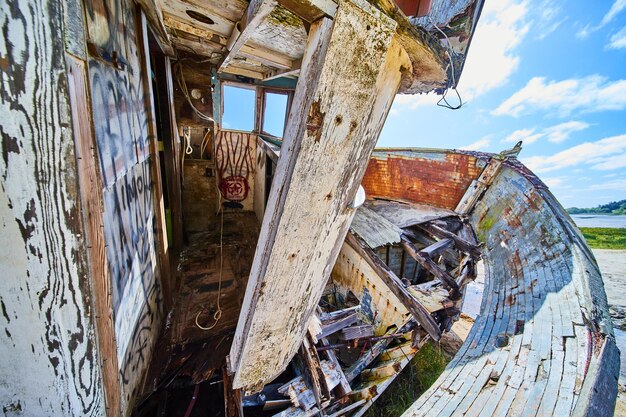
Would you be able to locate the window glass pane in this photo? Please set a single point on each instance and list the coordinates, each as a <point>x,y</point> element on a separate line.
<point>275,112</point>
<point>238,108</point>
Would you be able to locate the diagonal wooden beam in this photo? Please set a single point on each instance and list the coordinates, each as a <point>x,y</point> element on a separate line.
<point>460,243</point>
<point>419,312</point>
<point>256,13</point>
<point>448,281</point>
<point>350,74</point>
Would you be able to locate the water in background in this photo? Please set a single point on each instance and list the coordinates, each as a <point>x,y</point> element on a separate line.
<point>599,220</point>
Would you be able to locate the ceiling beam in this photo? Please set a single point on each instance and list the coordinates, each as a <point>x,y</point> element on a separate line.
<point>255,14</point>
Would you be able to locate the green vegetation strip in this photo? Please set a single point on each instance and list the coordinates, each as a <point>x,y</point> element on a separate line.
<point>413,381</point>
<point>604,238</point>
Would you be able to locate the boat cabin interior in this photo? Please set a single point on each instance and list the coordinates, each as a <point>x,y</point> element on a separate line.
<point>197,221</point>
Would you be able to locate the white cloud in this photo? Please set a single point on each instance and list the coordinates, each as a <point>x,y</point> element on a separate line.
<point>555,134</point>
<point>547,18</point>
<point>600,154</point>
<point>561,132</point>
<point>553,182</point>
<point>480,144</point>
<point>527,135</point>
<point>618,40</point>
<point>616,8</point>
<point>611,185</point>
<point>613,162</point>
<point>589,94</point>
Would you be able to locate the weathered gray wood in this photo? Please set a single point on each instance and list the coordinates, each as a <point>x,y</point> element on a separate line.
<point>334,327</point>
<point>460,243</point>
<point>344,385</point>
<point>357,332</point>
<point>374,229</point>
<point>478,187</point>
<point>405,214</point>
<point>49,357</point>
<point>335,315</point>
<point>390,279</point>
<point>437,247</point>
<point>257,11</point>
<point>432,267</point>
<point>349,79</point>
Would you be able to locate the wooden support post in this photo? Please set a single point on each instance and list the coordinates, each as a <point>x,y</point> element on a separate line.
<point>390,279</point>
<point>350,74</point>
<point>447,280</point>
<point>90,186</point>
<point>233,399</point>
<point>171,145</point>
<point>478,187</point>
<point>160,234</point>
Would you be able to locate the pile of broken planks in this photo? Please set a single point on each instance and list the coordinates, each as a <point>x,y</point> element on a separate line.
<point>324,384</point>
<point>425,260</point>
<point>342,366</point>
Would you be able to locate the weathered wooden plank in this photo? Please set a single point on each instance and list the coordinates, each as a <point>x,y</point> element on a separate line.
<point>327,141</point>
<point>48,346</point>
<point>374,229</point>
<point>405,214</point>
<point>433,299</point>
<point>460,243</point>
<point>479,186</point>
<point>256,12</point>
<point>390,279</point>
<point>432,267</point>
<point>437,247</point>
<point>90,187</point>
<point>171,148</point>
<point>343,386</point>
<point>335,315</point>
<point>357,332</point>
<point>334,327</point>
<point>233,399</point>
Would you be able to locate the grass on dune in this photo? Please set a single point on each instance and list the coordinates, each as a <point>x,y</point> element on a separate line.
<point>417,377</point>
<point>604,238</point>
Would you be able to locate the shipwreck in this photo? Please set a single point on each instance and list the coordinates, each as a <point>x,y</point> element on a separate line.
<point>159,261</point>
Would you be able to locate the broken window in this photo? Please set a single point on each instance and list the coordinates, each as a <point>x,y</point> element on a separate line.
<point>238,108</point>
<point>275,113</point>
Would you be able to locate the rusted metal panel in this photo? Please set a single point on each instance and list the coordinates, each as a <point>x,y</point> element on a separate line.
<point>436,178</point>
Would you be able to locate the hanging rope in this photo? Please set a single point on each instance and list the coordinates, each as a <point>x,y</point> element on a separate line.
<point>450,52</point>
<point>218,313</point>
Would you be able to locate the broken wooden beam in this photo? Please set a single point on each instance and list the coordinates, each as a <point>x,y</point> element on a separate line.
<point>436,248</point>
<point>335,315</point>
<point>344,386</point>
<point>351,71</point>
<point>334,327</point>
<point>390,279</point>
<point>460,243</point>
<point>314,373</point>
<point>445,278</point>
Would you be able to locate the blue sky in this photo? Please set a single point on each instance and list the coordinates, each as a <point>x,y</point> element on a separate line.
<point>550,73</point>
